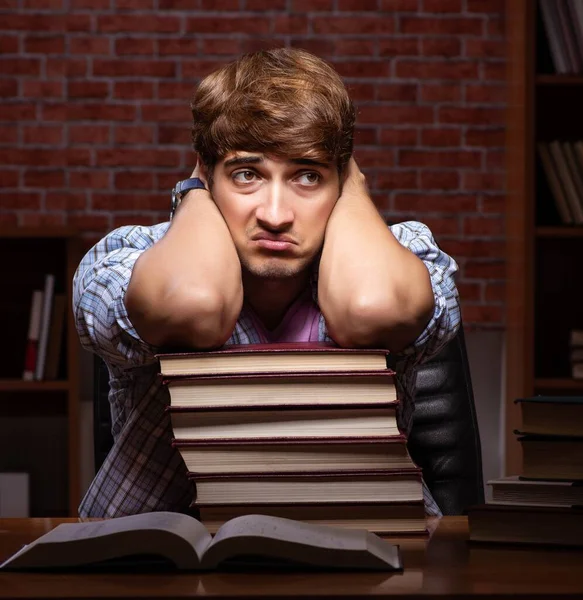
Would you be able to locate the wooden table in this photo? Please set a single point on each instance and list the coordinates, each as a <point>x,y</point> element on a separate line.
<point>446,565</point>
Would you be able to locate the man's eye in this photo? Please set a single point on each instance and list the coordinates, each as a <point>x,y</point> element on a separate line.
<point>244,176</point>
<point>310,178</point>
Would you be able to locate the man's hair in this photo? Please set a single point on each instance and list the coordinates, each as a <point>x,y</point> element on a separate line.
<point>285,102</point>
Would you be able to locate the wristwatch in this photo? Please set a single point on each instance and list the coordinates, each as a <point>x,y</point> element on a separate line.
<point>194,183</point>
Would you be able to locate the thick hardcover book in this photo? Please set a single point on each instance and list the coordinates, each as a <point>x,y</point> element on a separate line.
<point>283,388</point>
<point>185,543</point>
<point>518,490</point>
<point>387,519</point>
<point>525,524</point>
<point>552,415</point>
<point>304,488</point>
<point>552,457</point>
<point>270,358</point>
<point>284,455</point>
<point>284,422</point>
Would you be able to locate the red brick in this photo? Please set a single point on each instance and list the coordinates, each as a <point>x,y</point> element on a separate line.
<point>88,89</point>
<point>42,89</point>
<point>66,200</point>
<point>135,46</point>
<point>8,88</point>
<point>90,4</point>
<point>220,46</point>
<point>495,292</point>
<point>397,92</point>
<point>496,27</point>
<point>19,200</point>
<point>177,4</point>
<point>374,157</point>
<point>396,180</point>
<point>351,25</point>
<point>138,23</point>
<point>89,222</point>
<point>9,178</point>
<point>20,66</point>
<point>138,218</point>
<point>487,49</point>
<point>89,134</point>
<point>494,71</point>
<point>483,181</point>
<point>165,112</point>
<point>8,44</point>
<point>43,4</point>
<point>398,137</point>
<point>472,115</point>
<point>8,220</point>
<point>485,137</point>
<point>134,180</point>
<point>165,181</point>
<point>402,115</point>
<point>89,180</point>
<point>250,25</point>
<point>181,91</point>
<point>361,92</point>
<point>36,219</point>
<point>441,26</point>
<point>127,201</point>
<point>200,68</point>
<point>219,5</point>
<point>66,67</point>
<point>494,204</point>
<point>441,137</point>
<point>344,47</point>
<point>483,226</point>
<point>178,46</point>
<point>441,6</point>
<point>44,179</point>
<point>469,292</point>
<point>476,248</point>
<point>290,24</point>
<point>482,313</point>
<point>89,112</point>
<point>17,112</point>
<point>46,22</point>
<point>485,94</point>
<point>134,68</point>
<point>134,90</point>
<point>495,159</point>
<point>482,269</point>
<point>440,158</point>
<point>44,44</point>
<point>439,180</point>
<point>89,45</point>
<point>312,5</point>
<point>400,5</point>
<point>255,44</point>
<point>435,203</point>
<point>441,226</point>
<point>440,92</point>
<point>38,135</point>
<point>134,4</point>
<point>134,134</point>
<point>133,158</point>
<point>441,47</point>
<point>263,5</point>
<point>436,69</point>
<point>486,6</point>
<point>169,134</point>
<point>358,5</point>
<point>365,136</point>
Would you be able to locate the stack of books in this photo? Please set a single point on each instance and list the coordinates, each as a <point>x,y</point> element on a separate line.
<point>544,505</point>
<point>305,431</point>
<point>576,353</point>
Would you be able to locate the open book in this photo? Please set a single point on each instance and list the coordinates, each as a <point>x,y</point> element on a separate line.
<point>186,543</point>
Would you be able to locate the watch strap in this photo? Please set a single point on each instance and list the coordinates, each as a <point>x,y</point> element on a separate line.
<point>181,188</point>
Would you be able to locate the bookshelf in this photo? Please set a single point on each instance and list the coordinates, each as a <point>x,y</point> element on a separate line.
<point>28,408</point>
<point>544,282</point>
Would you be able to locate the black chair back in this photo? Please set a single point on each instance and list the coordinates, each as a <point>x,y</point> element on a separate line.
<point>444,440</point>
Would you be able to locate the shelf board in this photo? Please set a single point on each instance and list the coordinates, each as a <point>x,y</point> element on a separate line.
<point>567,384</point>
<point>566,231</point>
<point>559,79</point>
<point>18,385</point>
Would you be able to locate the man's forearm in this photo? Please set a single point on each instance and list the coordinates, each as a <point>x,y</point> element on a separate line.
<point>372,291</point>
<point>187,288</point>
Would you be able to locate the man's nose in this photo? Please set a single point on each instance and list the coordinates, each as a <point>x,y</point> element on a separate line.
<point>275,211</point>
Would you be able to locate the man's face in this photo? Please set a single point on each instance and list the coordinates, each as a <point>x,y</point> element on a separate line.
<point>276,210</point>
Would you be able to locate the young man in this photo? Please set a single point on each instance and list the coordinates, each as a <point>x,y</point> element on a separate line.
<point>273,238</point>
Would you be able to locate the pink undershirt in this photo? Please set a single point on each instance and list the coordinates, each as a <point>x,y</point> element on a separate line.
<point>300,323</point>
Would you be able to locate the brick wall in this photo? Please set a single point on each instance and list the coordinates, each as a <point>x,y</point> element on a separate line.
<point>94,122</point>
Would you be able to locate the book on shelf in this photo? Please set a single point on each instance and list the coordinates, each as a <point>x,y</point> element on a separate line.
<point>552,415</point>
<point>355,388</point>
<point>299,455</point>
<point>182,542</point>
<point>284,422</point>
<point>524,524</point>
<point>394,519</point>
<point>48,294</point>
<point>552,25</point>
<point>555,185</point>
<point>516,489</point>
<point>565,176</point>
<point>32,337</point>
<point>307,488</point>
<point>270,358</point>
<point>576,338</point>
<point>567,36</point>
<point>55,337</point>
<point>551,457</point>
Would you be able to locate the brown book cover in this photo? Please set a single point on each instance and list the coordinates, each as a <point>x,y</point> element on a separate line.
<point>400,439</point>
<point>552,415</point>
<point>316,475</point>
<point>294,376</point>
<point>552,457</point>
<point>269,358</point>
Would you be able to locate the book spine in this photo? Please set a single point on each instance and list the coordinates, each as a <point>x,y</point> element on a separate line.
<point>294,375</point>
<point>31,352</point>
<point>45,323</point>
<point>185,443</point>
<point>307,475</point>
<point>279,407</point>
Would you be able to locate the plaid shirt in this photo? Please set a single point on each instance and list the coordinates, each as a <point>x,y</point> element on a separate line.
<point>142,471</point>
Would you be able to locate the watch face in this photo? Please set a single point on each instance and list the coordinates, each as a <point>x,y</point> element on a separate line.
<point>175,203</point>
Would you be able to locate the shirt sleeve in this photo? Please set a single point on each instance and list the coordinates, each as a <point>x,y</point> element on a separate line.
<point>99,287</point>
<point>443,269</point>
